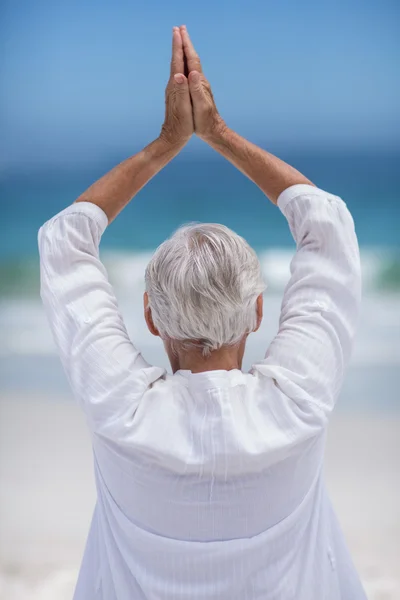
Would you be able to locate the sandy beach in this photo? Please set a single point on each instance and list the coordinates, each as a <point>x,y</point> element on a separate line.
<point>47,496</point>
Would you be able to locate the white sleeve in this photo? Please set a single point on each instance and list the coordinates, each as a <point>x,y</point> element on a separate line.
<point>308,357</point>
<point>108,376</point>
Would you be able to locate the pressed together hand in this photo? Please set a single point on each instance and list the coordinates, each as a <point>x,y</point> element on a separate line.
<point>190,105</point>
<point>190,108</point>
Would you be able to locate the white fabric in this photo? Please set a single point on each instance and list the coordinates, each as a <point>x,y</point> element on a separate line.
<point>210,485</point>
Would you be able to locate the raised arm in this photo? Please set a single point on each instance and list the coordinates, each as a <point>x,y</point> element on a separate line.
<point>115,190</point>
<point>308,357</point>
<point>107,374</point>
<point>267,171</point>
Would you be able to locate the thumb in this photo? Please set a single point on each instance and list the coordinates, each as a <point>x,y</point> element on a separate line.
<point>196,89</point>
<point>181,83</point>
<point>181,95</point>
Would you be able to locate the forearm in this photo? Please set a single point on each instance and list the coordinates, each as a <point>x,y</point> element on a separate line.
<point>113,191</point>
<point>271,174</point>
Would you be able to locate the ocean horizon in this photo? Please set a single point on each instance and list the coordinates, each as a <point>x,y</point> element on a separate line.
<point>204,187</point>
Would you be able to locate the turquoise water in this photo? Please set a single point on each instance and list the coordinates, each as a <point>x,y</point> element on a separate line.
<point>203,188</point>
<point>207,189</point>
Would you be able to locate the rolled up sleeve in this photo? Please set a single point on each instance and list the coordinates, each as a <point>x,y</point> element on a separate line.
<point>319,313</point>
<point>108,376</point>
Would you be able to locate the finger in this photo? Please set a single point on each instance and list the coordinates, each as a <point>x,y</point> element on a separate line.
<point>177,62</point>
<point>181,84</point>
<point>192,57</point>
<point>180,79</point>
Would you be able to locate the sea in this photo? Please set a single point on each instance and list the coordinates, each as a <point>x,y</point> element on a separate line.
<point>205,188</point>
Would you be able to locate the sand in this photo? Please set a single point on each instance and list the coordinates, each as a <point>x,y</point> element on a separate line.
<point>47,496</point>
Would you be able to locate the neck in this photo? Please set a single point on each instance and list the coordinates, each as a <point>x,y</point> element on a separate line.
<point>224,359</point>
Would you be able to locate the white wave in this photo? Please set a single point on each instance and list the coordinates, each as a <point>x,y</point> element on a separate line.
<point>126,269</point>
<point>24,329</point>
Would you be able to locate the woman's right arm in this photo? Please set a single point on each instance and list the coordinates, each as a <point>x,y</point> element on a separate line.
<point>267,171</point>
<point>308,357</point>
<point>270,173</point>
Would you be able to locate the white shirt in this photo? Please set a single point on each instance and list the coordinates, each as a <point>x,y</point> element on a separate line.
<point>210,485</point>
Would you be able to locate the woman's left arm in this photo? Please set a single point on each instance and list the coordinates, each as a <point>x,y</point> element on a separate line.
<point>107,374</point>
<point>115,189</point>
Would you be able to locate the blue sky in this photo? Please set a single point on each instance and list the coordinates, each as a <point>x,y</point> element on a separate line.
<point>84,79</point>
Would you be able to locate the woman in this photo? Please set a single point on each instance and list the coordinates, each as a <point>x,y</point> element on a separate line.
<point>209,481</point>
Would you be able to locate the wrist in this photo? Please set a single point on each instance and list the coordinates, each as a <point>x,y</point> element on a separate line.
<point>216,133</point>
<point>170,142</point>
<point>160,152</point>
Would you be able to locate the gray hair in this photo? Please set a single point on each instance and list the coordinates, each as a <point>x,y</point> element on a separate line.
<point>203,283</point>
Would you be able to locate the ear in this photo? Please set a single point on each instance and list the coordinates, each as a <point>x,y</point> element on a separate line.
<point>259,309</point>
<point>147,315</point>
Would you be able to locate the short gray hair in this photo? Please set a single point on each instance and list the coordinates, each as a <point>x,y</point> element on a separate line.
<point>203,283</point>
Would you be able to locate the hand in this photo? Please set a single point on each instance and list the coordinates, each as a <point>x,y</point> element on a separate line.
<point>178,125</point>
<point>207,120</point>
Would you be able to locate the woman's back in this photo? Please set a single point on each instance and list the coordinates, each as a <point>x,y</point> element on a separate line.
<point>216,491</point>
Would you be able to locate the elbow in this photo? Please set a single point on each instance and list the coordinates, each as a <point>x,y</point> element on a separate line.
<point>41,238</point>
<point>52,247</point>
<point>46,250</point>
<point>43,235</point>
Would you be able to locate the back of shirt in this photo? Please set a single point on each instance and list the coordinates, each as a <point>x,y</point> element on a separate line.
<point>211,458</point>
<point>228,504</point>
<point>209,485</point>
